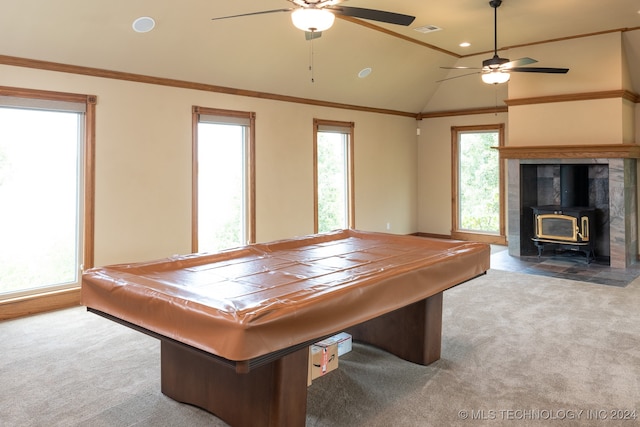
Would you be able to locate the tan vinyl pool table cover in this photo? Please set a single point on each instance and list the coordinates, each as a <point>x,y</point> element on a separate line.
<point>247,302</point>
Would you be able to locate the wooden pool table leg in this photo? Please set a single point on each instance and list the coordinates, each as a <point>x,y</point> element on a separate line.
<point>413,333</point>
<point>271,395</point>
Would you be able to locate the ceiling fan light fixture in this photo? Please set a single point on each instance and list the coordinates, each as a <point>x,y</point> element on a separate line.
<point>495,77</point>
<point>312,19</point>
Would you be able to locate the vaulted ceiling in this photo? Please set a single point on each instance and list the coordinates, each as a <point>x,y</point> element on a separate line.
<point>266,53</point>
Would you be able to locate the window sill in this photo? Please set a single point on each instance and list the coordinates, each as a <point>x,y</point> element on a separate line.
<point>39,303</point>
<point>494,239</point>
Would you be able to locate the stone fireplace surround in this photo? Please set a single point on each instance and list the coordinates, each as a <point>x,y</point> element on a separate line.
<point>613,176</point>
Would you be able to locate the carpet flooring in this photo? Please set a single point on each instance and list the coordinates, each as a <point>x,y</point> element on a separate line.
<point>518,350</point>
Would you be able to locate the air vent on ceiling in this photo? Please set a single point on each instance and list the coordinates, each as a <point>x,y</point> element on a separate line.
<point>427,29</point>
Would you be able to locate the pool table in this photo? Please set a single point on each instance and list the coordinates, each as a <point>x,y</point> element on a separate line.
<point>235,326</point>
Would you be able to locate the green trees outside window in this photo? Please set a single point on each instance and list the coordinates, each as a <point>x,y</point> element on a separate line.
<point>332,181</point>
<point>479,182</point>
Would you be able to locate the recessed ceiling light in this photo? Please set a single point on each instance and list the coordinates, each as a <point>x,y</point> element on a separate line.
<point>144,24</point>
<point>464,44</point>
<point>364,72</point>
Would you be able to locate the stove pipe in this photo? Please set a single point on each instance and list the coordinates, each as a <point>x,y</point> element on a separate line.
<point>574,185</point>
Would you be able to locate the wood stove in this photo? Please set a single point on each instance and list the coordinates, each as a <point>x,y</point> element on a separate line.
<point>558,227</point>
<point>533,173</point>
<point>570,224</point>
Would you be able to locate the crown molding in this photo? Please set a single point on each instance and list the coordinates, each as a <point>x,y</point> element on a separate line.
<point>161,81</point>
<point>466,112</point>
<point>587,96</point>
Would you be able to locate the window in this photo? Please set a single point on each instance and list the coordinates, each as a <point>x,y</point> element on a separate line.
<point>333,174</point>
<point>46,219</point>
<point>478,200</point>
<point>223,197</point>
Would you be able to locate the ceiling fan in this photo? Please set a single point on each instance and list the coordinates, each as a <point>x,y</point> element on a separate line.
<point>496,70</point>
<point>315,16</point>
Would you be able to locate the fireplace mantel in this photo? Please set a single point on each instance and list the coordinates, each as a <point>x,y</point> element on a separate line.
<point>604,151</point>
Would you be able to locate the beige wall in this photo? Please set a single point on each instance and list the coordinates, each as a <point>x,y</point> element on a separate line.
<point>593,121</point>
<point>434,174</point>
<point>143,164</point>
<point>599,121</point>
<point>595,64</point>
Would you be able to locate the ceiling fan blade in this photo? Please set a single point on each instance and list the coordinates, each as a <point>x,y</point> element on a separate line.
<point>518,63</point>
<point>372,15</point>
<point>457,77</point>
<point>253,13</point>
<point>540,70</point>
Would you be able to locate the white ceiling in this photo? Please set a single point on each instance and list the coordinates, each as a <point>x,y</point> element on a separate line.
<point>266,53</point>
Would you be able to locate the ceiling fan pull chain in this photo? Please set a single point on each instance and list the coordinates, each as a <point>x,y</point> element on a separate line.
<point>311,63</point>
